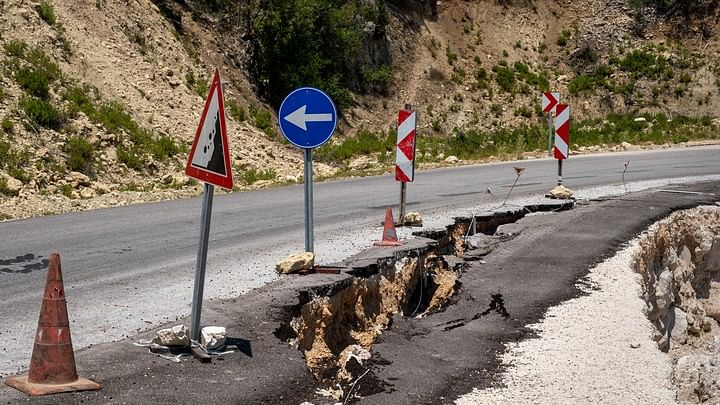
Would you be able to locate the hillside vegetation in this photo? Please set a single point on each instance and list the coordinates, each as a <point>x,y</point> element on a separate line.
<point>99,103</point>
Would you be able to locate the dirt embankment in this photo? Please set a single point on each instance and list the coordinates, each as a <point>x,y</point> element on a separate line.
<point>680,266</point>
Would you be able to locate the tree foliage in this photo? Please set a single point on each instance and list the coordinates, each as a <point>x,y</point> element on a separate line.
<point>677,7</point>
<point>338,46</point>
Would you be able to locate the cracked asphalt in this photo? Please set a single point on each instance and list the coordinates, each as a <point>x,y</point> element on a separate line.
<point>428,360</point>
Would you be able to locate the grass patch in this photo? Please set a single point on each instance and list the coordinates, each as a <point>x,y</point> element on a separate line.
<point>41,113</point>
<point>563,37</point>
<point>505,78</point>
<point>80,154</point>
<point>364,143</point>
<point>473,144</point>
<point>236,111</point>
<point>34,82</point>
<point>251,176</point>
<point>141,142</point>
<point>4,190</point>
<point>201,87</point>
<point>46,12</point>
<point>644,63</point>
<point>7,125</point>
<point>15,48</point>
<point>263,120</point>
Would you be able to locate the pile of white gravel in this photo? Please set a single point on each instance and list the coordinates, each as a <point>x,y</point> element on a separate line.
<point>594,349</point>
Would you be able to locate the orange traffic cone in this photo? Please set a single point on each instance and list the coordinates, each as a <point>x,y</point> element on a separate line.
<point>389,237</point>
<point>52,367</point>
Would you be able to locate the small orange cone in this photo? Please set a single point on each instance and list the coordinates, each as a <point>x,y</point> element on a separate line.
<point>52,366</point>
<point>389,237</point>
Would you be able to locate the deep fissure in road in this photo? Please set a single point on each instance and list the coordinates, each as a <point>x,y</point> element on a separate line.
<point>336,326</point>
<point>679,261</point>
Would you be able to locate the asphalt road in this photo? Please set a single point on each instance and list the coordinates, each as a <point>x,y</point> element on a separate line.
<point>130,268</point>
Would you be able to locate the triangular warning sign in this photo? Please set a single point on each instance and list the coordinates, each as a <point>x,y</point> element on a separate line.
<point>209,159</point>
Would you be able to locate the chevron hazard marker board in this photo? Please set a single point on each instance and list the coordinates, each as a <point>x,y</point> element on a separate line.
<point>405,155</point>
<point>550,101</point>
<point>209,159</point>
<point>562,132</point>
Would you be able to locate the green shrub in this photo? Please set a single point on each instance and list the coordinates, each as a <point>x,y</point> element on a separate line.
<point>198,86</point>
<point>524,112</point>
<point>41,113</point>
<point>19,173</point>
<point>4,190</point>
<point>236,111</point>
<point>563,37</point>
<point>132,157</point>
<point>263,118</point>
<point>377,80</point>
<point>318,43</point>
<point>67,190</point>
<point>46,12</point>
<point>251,175</point>
<point>34,82</point>
<point>505,78</point>
<point>80,154</point>
<point>643,63</point>
<point>15,48</point>
<point>7,125</point>
<point>458,75</point>
<point>79,100</point>
<point>163,148</point>
<point>364,143</point>
<point>451,56</point>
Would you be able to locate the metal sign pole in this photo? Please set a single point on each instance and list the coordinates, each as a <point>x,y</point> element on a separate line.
<point>550,136</point>
<point>201,261</point>
<point>403,191</point>
<point>308,201</point>
<point>560,172</point>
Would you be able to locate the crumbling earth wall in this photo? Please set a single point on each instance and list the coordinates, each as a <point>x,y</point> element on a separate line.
<point>333,329</point>
<point>679,261</point>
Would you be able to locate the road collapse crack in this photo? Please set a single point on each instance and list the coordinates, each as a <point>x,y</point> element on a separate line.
<point>336,324</point>
<point>497,304</point>
<point>336,330</point>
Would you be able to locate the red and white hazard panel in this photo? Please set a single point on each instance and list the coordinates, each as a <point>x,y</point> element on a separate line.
<point>550,102</point>
<point>562,132</point>
<point>405,157</point>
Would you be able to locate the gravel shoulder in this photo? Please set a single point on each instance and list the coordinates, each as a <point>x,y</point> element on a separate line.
<point>597,348</point>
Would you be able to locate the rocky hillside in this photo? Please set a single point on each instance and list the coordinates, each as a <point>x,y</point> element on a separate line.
<point>99,102</point>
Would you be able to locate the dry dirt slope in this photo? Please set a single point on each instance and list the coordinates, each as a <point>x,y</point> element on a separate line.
<point>134,55</point>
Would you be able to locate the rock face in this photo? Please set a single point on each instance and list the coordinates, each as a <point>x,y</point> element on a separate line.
<point>296,262</point>
<point>680,266</point>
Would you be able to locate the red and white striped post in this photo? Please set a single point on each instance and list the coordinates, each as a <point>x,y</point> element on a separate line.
<point>562,136</point>
<point>405,153</point>
<point>549,103</point>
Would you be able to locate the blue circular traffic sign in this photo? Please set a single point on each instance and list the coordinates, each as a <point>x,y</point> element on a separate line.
<point>307,117</point>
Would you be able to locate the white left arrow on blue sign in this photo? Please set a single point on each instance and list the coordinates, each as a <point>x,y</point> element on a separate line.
<point>300,119</point>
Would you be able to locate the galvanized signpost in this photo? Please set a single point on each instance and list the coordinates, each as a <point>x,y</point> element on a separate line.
<point>307,118</point>
<point>209,162</point>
